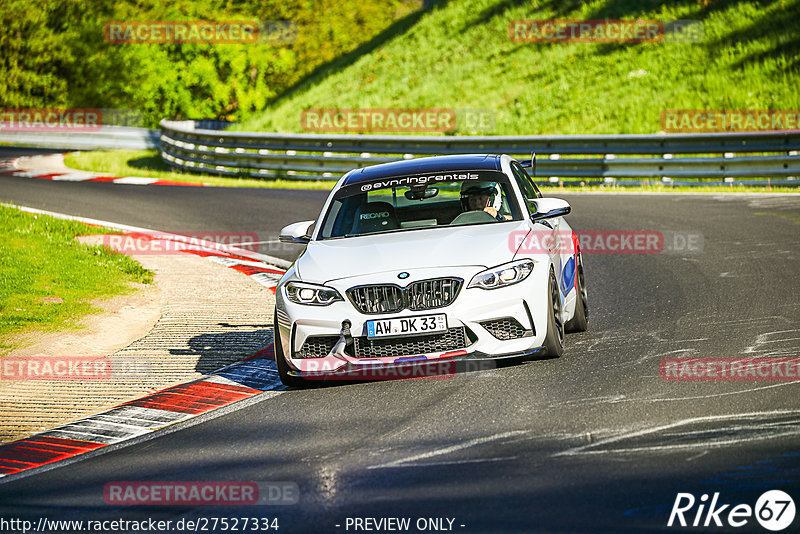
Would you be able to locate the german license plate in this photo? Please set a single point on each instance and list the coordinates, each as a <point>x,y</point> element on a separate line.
<point>402,326</point>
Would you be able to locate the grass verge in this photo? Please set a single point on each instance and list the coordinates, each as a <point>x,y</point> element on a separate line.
<point>49,280</point>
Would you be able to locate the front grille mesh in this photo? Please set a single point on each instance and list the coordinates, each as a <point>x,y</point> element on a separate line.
<point>505,328</point>
<point>317,346</point>
<point>453,339</point>
<point>417,296</point>
<point>377,299</point>
<point>429,294</point>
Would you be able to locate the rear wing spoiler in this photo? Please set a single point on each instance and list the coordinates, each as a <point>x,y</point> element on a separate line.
<point>529,163</point>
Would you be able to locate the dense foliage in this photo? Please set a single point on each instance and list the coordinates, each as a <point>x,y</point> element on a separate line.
<point>53,53</point>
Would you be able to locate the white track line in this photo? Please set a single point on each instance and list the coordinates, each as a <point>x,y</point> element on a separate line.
<point>447,450</point>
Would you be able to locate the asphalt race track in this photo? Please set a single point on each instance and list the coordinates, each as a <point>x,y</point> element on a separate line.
<point>595,441</point>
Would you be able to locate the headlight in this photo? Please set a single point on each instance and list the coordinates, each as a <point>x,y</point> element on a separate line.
<point>502,275</point>
<point>311,294</point>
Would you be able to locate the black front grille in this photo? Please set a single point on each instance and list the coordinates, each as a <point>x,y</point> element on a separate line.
<point>453,339</point>
<point>505,328</point>
<point>417,296</point>
<point>317,346</point>
<point>434,293</point>
<point>377,299</point>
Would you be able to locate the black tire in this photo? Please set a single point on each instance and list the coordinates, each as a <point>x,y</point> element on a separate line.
<point>554,340</point>
<point>580,320</point>
<point>280,361</point>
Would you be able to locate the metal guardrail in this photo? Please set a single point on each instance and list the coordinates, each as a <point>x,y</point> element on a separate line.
<point>317,156</point>
<point>108,137</point>
<point>192,146</point>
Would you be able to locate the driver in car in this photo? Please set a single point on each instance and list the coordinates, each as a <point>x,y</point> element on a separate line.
<point>483,196</point>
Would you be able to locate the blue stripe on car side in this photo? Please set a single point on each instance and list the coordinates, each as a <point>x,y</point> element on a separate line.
<point>568,276</point>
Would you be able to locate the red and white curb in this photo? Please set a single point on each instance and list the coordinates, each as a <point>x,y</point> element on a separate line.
<point>250,377</point>
<point>11,168</point>
<point>246,379</point>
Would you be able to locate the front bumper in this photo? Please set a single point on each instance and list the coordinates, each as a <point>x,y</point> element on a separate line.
<point>472,333</point>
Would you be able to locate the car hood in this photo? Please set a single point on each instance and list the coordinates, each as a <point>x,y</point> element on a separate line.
<point>483,245</point>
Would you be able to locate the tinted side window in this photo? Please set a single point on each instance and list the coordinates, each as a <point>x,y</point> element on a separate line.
<point>533,184</point>
<point>526,186</point>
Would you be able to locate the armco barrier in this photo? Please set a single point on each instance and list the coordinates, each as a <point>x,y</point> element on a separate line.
<point>105,137</point>
<point>683,159</point>
<point>725,156</point>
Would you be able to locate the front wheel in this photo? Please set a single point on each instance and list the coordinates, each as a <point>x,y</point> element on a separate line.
<point>280,360</point>
<point>554,340</point>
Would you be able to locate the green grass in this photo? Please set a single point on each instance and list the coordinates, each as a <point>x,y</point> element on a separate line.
<point>460,56</point>
<point>48,279</point>
<point>148,164</point>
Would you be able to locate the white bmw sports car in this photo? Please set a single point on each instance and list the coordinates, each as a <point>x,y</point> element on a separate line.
<point>429,260</point>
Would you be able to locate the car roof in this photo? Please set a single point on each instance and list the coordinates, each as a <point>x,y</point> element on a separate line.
<point>454,163</point>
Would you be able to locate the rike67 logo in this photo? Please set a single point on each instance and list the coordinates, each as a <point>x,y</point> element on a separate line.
<point>774,510</point>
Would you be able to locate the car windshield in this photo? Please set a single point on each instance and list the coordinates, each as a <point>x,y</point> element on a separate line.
<point>417,202</point>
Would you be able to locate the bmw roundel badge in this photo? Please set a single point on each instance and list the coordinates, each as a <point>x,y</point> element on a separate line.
<point>403,275</point>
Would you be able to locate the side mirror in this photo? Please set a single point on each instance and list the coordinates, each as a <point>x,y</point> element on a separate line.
<point>547,208</point>
<point>296,233</point>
